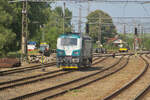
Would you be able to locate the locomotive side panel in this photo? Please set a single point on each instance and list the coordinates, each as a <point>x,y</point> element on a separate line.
<point>87,48</point>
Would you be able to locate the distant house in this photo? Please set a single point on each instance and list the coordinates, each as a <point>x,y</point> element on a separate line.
<point>119,43</point>
<point>111,40</point>
<point>116,41</point>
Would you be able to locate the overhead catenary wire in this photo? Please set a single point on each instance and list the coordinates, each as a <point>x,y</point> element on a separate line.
<point>81,1</point>
<point>124,8</point>
<point>98,1</point>
<point>145,10</point>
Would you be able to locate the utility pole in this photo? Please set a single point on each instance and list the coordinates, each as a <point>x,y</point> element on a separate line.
<point>87,25</point>
<point>64,17</point>
<point>79,26</point>
<point>88,7</point>
<point>24,28</point>
<point>43,33</point>
<point>124,31</point>
<point>99,31</point>
<point>142,37</point>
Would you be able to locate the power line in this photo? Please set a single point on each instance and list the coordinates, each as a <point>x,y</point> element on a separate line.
<point>124,8</point>
<point>145,10</point>
<point>119,17</point>
<point>25,23</point>
<point>80,1</point>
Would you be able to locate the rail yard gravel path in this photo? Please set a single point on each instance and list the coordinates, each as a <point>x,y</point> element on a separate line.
<point>27,73</point>
<point>32,72</point>
<point>145,81</point>
<point>9,93</point>
<point>131,92</point>
<point>104,87</point>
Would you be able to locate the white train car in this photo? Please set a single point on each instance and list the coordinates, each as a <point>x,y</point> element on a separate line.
<point>74,50</point>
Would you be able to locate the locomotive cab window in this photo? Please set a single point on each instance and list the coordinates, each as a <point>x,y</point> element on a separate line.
<point>68,41</point>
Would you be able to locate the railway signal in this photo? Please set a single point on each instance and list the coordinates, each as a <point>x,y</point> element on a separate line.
<point>87,28</point>
<point>136,40</point>
<point>135,32</point>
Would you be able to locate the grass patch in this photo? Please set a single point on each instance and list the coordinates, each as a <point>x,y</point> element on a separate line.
<point>77,90</point>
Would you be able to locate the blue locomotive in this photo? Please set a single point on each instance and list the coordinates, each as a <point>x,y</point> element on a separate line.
<point>74,50</point>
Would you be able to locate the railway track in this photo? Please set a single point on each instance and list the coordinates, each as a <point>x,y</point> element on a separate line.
<point>74,84</point>
<point>146,89</point>
<point>39,77</point>
<point>24,69</point>
<point>129,84</point>
<point>30,68</point>
<point>110,54</point>
<point>148,57</point>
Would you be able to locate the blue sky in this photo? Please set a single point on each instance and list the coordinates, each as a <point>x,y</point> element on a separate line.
<point>114,10</point>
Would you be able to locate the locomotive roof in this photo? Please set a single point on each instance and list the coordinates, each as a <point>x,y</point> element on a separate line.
<point>76,35</point>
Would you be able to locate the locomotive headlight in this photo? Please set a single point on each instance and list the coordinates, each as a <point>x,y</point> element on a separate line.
<point>76,53</point>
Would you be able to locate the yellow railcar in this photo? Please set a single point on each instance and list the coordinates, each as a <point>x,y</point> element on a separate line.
<point>123,49</point>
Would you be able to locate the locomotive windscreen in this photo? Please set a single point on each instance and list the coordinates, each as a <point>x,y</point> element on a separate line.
<point>68,41</point>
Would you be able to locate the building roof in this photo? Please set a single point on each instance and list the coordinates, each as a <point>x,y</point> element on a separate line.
<point>115,40</point>
<point>110,40</point>
<point>118,41</point>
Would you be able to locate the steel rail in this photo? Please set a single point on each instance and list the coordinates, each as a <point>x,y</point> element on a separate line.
<point>147,56</point>
<point>142,93</point>
<point>117,92</point>
<point>19,70</point>
<point>39,77</point>
<point>42,78</point>
<point>97,79</point>
<point>116,54</point>
<point>64,84</point>
<point>30,77</point>
<point>21,79</point>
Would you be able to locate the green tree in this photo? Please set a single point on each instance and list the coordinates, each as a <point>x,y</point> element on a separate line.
<point>12,19</point>
<point>38,14</point>
<point>101,20</point>
<point>146,43</point>
<point>54,26</point>
<point>7,36</point>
